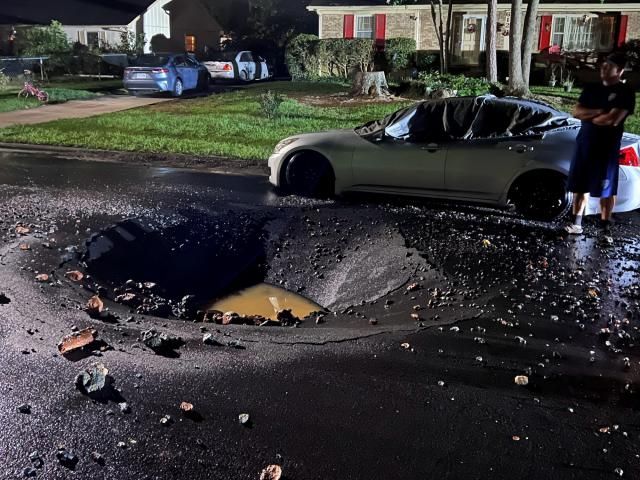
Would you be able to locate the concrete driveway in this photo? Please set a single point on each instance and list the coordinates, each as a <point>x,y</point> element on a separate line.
<point>76,109</point>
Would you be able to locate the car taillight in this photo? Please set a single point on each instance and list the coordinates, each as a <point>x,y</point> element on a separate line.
<point>629,157</point>
<point>160,70</point>
<point>227,67</point>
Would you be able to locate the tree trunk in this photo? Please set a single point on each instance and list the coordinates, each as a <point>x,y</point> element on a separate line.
<point>516,83</point>
<point>439,33</point>
<point>373,84</point>
<point>529,39</point>
<point>490,48</point>
<point>448,45</point>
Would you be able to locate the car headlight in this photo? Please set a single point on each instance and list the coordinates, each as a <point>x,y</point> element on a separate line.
<point>284,144</point>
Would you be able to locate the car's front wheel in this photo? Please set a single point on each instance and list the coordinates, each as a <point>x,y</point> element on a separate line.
<point>309,174</point>
<point>541,196</point>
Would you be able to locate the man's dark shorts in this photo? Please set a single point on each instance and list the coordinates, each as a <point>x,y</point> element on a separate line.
<point>594,168</point>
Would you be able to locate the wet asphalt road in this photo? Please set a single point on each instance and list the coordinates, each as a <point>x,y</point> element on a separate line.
<point>393,384</point>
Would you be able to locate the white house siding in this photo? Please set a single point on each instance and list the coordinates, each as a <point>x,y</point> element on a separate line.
<point>107,34</point>
<point>155,21</point>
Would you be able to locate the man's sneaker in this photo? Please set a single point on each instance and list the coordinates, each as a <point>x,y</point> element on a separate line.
<point>573,229</point>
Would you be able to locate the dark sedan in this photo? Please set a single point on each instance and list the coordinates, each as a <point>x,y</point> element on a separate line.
<point>173,73</point>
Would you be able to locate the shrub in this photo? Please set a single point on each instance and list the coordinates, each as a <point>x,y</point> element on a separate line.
<point>270,104</point>
<point>301,58</point>
<point>460,84</point>
<point>50,40</point>
<point>399,52</point>
<point>360,54</point>
<point>309,58</point>
<point>4,80</point>
<point>427,61</point>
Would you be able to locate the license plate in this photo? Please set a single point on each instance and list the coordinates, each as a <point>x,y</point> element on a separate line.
<point>139,76</point>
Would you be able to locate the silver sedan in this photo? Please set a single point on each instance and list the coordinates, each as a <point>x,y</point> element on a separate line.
<point>505,152</point>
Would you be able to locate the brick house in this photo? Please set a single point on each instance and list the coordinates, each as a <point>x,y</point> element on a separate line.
<point>562,25</point>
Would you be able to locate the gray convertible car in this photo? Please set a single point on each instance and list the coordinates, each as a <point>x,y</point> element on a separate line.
<point>507,152</point>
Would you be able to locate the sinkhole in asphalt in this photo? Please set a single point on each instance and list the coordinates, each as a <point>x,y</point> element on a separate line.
<point>219,263</point>
<point>265,300</point>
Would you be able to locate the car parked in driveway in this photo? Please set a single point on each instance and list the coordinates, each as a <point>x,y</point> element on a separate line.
<point>244,66</point>
<point>165,72</point>
<point>507,152</point>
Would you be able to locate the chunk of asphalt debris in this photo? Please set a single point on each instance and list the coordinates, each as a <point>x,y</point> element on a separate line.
<point>36,459</point>
<point>160,342</point>
<point>166,420</point>
<point>271,472</point>
<point>95,381</point>
<point>124,407</point>
<point>98,458</point>
<point>209,339</point>
<point>77,340</point>
<point>29,472</point>
<point>236,344</point>
<point>4,300</point>
<point>67,458</point>
<point>24,408</point>
<point>286,318</point>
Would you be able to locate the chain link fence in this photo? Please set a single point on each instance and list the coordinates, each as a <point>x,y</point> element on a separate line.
<point>108,65</point>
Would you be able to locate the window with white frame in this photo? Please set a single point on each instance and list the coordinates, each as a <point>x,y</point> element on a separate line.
<point>364,26</point>
<point>582,32</point>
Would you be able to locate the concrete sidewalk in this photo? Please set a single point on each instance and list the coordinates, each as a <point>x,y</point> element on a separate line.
<point>76,109</point>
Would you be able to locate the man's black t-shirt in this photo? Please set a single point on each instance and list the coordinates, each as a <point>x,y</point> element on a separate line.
<point>606,97</point>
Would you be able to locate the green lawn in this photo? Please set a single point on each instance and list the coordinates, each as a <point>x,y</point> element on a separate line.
<point>9,100</point>
<point>565,101</point>
<point>229,124</point>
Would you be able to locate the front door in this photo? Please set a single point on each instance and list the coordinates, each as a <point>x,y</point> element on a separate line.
<point>400,165</point>
<point>471,39</point>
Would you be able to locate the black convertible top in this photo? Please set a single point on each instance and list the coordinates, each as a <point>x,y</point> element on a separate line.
<point>459,118</point>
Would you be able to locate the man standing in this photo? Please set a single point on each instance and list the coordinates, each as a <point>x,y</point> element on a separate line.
<point>603,108</point>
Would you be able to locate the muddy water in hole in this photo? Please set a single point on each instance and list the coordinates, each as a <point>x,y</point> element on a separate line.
<point>264,299</point>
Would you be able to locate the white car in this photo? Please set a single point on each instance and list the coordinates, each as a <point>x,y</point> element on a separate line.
<point>244,66</point>
<point>503,151</point>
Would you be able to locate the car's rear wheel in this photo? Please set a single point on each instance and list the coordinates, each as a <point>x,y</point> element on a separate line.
<point>541,196</point>
<point>244,76</point>
<point>309,174</point>
<point>178,88</point>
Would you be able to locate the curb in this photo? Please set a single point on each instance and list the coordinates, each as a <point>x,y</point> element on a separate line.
<point>213,164</point>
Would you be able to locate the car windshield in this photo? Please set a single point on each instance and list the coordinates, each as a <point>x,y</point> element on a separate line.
<point>151,61</point>
<point>466,118</point>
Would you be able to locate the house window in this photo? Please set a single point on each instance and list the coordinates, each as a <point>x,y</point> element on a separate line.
<point>93,39</point>
<point>582,32</point>
<point>190,43</point>
<point>364,26</point>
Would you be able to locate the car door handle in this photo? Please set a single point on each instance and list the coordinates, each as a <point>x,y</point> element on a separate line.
<point>520,148</point>
<point>431,147</point>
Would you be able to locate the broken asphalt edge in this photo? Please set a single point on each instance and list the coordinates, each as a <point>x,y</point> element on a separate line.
<point>211,164</point>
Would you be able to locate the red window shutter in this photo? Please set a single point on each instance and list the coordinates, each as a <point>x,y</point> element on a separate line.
<point>348,26</point>
<point>381,26</point>
<point>545,32</point>
<point>622,30</point>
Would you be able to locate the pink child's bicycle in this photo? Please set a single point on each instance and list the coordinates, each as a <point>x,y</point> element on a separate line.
<point>30,89</point>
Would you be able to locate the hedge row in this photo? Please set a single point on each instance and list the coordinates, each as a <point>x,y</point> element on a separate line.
<point>309,57</point>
